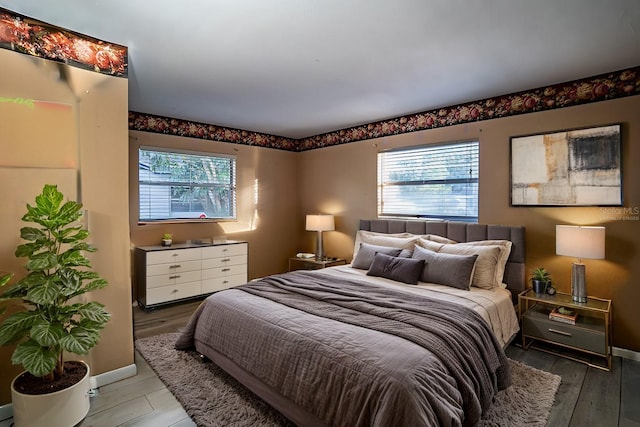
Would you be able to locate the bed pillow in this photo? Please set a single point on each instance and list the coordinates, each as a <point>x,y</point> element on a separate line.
<point>367,252</point>
<point>446,269</point>
<point>429,244</point>
<point>437,238</point>
<point>505,251</point>
<point>484,275</point>
<point>397,240</point>
<point>405,270</point>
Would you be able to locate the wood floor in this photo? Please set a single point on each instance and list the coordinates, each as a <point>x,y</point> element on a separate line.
<point>587,396</point>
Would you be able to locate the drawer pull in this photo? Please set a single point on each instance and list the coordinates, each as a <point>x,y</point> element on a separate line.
<point>225,260</point>
<point>226,269</point>
<point>174,254</point>
<point>175,291</point>
<point>174,277</point>
<point>566,334</point>
<point>225,282</point>
<point>175,266</point>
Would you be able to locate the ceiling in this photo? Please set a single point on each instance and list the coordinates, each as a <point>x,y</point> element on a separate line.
<point>298,68</point>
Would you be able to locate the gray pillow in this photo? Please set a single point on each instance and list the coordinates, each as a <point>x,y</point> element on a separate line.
<point>366,253</point>
<point>405,270</point>
<point>446,269</point>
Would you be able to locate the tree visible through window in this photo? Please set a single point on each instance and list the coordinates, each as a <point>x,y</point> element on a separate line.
<point>185,185</point>
<point>435,181</point>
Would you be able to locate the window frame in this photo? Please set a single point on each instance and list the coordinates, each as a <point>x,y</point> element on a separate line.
<point>233,186</point>
<point>474,145</point>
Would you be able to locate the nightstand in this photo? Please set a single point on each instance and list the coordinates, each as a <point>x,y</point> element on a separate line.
<point>590,336</point>
<point>296,263</point>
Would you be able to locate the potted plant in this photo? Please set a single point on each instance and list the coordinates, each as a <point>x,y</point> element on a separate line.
<point>540,280</point>
<point>167,239</point>
<point>52,391</point>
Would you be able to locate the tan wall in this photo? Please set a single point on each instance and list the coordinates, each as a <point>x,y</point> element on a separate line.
<point>342,180</point>
<point>265,176</point>
<point>81,146</point>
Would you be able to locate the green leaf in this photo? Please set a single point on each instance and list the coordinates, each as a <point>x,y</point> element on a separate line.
<point>70,280</point>
<point>49,201</point>
<point>43,261</point>
<point>27,249</point>
<point>95,312</point>
<point>18,290</point>
<point>71,211</point>
<point>73,258</point>
<point>96,284</point>
<point>17,326</point>
<point>4,279</point>
<point>46,293</point>
<point>47,334</point>
<point>36,359</point>
<point>79,340</point>
<point>32,234</point>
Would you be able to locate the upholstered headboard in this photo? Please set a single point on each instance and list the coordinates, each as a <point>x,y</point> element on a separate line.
<point>514,274</point>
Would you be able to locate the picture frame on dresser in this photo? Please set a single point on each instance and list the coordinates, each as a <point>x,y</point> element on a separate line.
<point>577,167</point>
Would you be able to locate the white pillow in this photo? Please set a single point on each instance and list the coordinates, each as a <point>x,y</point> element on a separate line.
<point>437,238</point>
<point>486,269</point>
<point>505,251</point>
<point>396,240</point>
<point>429,244</point>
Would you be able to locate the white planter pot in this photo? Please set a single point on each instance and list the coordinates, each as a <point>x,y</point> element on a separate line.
<point>64,408</point>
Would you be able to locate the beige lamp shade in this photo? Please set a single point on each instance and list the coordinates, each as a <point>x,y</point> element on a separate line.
<point>320,223</point>
<point>580,241</point>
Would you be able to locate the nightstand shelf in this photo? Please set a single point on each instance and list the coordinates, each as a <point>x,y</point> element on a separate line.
<point>296,263</point>
<point>589,337</point>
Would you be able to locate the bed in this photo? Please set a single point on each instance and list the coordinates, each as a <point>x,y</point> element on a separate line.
<point>394,338</point>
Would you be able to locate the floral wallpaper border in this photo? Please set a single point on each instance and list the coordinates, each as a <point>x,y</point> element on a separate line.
<point>32,37</point>
<point>604,87</point>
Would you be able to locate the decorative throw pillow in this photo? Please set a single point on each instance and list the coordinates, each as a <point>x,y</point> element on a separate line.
<point>405,270</point>
<point>397,240</point>
<point>367,252</point>
<point>446,269</point>
<point>505,251</point>
<point>484,275</point>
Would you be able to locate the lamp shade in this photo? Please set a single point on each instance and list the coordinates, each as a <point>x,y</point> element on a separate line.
<point>580,241</point>
<point>320,223</point>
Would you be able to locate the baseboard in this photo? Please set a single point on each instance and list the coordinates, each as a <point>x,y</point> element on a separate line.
<point>113,376</point>
<point>626,354</point>
<point>6,411</point>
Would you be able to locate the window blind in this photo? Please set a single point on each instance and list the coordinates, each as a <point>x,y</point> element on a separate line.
<point>435,181</point>
<point>180,185</point>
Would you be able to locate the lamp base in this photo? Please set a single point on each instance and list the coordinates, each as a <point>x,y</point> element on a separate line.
<point>578,283</point>
<point>319,248</point>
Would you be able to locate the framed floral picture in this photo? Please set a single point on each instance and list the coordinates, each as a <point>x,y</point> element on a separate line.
<point>580,167</point>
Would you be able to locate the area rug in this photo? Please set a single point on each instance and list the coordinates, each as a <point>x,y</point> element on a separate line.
<point>213,398</point>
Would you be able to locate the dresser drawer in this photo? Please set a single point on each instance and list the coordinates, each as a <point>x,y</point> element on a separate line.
<point>224,261</point>
<point>224,250</point>
<point>175,278</point>
<point>230,270</point>
<point>174,267</point>
<point>588,333</point>
<point>171,293</point>
<point>220,283</point>
<point>172,256</point>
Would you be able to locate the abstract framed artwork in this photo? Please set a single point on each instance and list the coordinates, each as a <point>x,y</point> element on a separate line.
<point>580,167</point>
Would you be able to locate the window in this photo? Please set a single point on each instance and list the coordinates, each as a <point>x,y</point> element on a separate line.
<point>435,181</point>
<point>182,185</point>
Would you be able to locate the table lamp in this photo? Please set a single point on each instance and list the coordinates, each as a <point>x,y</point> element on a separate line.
<point>320,223</point>
<point>579,242</point>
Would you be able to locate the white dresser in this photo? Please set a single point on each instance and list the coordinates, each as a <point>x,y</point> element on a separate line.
<point>169,274</point>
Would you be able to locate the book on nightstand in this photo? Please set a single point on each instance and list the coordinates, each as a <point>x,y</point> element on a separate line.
<point>564,315</point>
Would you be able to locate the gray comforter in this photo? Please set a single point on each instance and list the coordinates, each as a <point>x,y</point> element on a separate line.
<point>352,354</point>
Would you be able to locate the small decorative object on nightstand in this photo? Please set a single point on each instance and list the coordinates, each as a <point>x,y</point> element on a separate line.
<point>167,239</point>
<point>558,321</point>
<point>300,263</point>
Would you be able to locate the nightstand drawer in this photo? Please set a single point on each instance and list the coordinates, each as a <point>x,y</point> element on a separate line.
<point>587,334</point>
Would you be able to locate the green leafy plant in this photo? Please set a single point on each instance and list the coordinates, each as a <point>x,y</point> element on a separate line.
<point>166,236</point>
<point>58,272</point>
<point>541,274</point>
